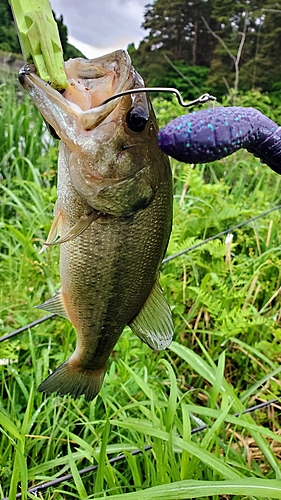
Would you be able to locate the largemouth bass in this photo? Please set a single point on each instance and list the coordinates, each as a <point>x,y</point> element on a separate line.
<point>113,215</point>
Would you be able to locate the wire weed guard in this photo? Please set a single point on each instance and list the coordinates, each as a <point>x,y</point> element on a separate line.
<point>39,39</point>
<point>202,99</point>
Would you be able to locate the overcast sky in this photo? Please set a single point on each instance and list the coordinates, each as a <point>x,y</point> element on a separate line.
<point>97,27</point>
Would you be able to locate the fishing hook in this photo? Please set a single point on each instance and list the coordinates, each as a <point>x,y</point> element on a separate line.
<point>200,100</point>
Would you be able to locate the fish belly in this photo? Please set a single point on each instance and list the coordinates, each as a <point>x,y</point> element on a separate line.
<point>107,274</point>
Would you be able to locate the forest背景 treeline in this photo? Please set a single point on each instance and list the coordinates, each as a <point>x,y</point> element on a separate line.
<point>194,45</point>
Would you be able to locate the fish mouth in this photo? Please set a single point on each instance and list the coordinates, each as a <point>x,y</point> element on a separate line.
<point>89,83</point>
<point>98,137</point>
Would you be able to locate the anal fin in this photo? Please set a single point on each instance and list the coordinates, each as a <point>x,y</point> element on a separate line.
<point>154,324</point>
<point>55,305</point>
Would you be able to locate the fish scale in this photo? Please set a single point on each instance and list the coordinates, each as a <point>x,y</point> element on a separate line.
<point>114,251</point>
<point>113,215</point>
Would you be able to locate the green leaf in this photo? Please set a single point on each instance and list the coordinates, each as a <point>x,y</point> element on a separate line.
<point>76,476</point>
<point>262,488</point>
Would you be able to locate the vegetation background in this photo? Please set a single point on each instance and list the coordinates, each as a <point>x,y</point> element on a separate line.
<point>225,300</point>
<point>207,44</point>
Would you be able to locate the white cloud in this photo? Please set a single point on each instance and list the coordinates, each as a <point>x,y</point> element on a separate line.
<point>103,25</point>
<point>90,51</point>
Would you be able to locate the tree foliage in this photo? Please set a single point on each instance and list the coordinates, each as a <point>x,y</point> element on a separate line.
<point>204,36</point>
<point>8,37</point>
<point>177,28</point>
<point>176,33</point>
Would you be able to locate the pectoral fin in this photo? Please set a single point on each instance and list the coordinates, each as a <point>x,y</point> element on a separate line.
<point>55,229</point>
<point>154,324</point>
<point>54,305</point>
<point>76,230</point>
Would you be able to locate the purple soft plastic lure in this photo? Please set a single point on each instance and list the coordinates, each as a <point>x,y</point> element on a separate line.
<point>210,134</point>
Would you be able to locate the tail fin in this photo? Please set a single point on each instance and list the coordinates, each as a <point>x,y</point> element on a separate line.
<point>70,379</point>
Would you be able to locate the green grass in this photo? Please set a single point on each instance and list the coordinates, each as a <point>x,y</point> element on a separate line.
<point>225,356</point>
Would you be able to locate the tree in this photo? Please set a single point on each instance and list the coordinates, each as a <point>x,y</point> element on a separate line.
<point>8,37</point>
<point>176,27</point>
<point>261,46</point>
<point>69,50</point>
<point>267,67</point>
<point>177,43</point>
<point>237,41</point>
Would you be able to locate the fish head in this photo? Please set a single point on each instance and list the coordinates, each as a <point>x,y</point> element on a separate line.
<point>113,157</point>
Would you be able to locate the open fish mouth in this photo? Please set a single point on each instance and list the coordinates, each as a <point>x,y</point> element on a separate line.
<point>90,82</point>
<point>106,144</point>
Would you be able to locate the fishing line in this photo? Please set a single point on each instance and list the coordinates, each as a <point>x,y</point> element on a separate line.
<point>26,327</point>
<point>167,259</point>
<point>200,100</point>
<point>193,247</point>
<point>119,458</point>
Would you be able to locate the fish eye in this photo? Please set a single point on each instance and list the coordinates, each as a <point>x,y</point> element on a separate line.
<point>136,119</point>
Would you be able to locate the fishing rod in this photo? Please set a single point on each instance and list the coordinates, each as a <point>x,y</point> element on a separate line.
<point>68,477</point>
<point>226,231</point>
<point>167,259</point>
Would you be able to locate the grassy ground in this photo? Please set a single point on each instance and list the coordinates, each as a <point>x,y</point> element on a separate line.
<point>225,356</point>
